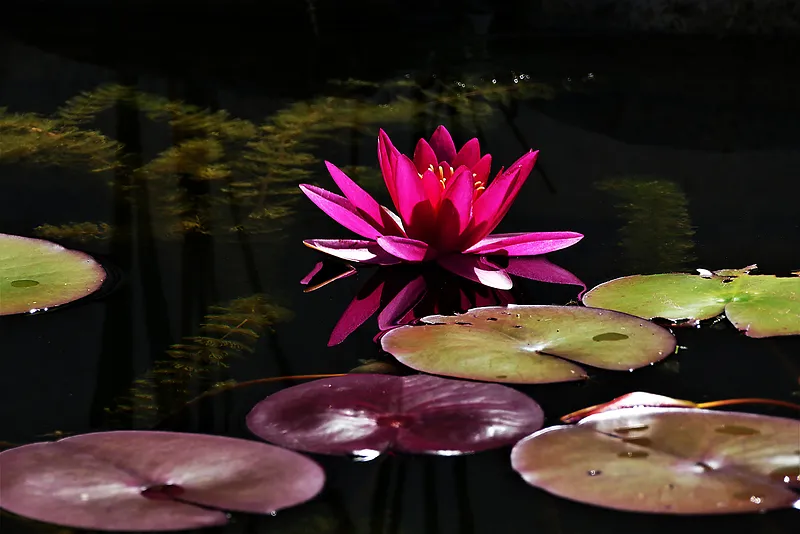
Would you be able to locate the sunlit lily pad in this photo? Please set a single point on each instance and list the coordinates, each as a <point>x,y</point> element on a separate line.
<point>366,415</point>
<point>528,344</point>
<point>148,481</point>
<point>667,460</point>
<point>37,274</point>
<point>759,305</point>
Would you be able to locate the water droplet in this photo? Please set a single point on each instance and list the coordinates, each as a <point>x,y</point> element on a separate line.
<point>789,474</point>
<point>749,496</point>
<point>633,454</point>
<point>24,283</point>
<point>594,472</point>
<point>737,430</point>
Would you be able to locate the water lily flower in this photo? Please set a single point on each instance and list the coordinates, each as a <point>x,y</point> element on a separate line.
<point>447,210</point>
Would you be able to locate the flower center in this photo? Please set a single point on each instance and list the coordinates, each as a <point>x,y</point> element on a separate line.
<point>443,172</point>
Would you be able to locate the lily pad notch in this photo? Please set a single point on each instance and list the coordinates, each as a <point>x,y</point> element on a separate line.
<point>758,305</point>
<point>529,344</point>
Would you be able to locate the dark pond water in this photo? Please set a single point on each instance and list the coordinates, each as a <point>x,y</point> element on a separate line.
<point>666,156</point>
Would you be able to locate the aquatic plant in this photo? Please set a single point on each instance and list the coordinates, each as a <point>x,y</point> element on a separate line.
<point>447,209</point>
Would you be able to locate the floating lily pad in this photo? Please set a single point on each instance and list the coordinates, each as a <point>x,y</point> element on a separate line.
<point>667,460</point>
<point>36,275</point>
<point>366,415</point>
<point>147,481</point>
<point>528,344</point>
<point>759,305</point>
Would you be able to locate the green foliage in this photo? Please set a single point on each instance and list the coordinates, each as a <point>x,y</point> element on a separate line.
<point>192,366</point>
<point>28,137</point>
<point>80,232</point>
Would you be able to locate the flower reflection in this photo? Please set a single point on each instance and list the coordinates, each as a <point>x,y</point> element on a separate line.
<point>402,294</point>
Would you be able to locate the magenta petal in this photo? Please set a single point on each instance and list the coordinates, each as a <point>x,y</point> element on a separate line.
<point>424,156</point>
<point>525,244</point>
<point>362,200</point>
<point>442,144</point>
<point>476,269</point>
<point>496,200</point>
<point>482,168</point>
<point>355,250</point>
<point>340,210</point>
<point>469,154</point>
<point>358,311</point>
<point>405,248</point>
<point>367,414</point>
<point>402,303</point>
<point>412,202</point>
<point>317,268</point>
<point>433,188</point>
<point>455,212</point>
<point>152,481</point>
<point>387,156</point>
<point>540,269</point>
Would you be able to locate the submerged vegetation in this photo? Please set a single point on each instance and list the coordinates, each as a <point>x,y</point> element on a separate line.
<point>223,174</point>
<point>193,366</point>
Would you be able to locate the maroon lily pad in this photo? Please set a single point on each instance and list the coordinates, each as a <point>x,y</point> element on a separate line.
<point>146,481</point>
<point>668,460</point>
<point>367,414</point>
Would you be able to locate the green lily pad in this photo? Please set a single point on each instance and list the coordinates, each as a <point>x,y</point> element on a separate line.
<point>667,460</point>
<point>528,344</point>
<point>36,275</point>
<point>759,305</point>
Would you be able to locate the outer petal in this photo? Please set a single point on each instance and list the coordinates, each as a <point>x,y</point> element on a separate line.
<point>540,269</point>
<point>406,249</point>
<point>494,203</point>
<point>387,156</point>
<point>455,212</point>
<point>469,154</point>
<point>424,156</point>
<point>340,210</point>
<point>412,203</point>
<point>476,269</point>
<point>525,244</point>
<point>442,144</point>
<point>363,201</point>
<point>355,250</point>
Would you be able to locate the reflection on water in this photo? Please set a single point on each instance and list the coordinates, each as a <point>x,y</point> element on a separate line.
<point>197,364</point>
<point>657,232</point>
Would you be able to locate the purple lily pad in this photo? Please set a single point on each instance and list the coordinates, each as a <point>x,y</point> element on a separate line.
<point>667,460</point>
<point>147,481</point>
<point>369,414</point>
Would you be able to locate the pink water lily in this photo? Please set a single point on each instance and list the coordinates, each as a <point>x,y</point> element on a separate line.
<point>447,210</point>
